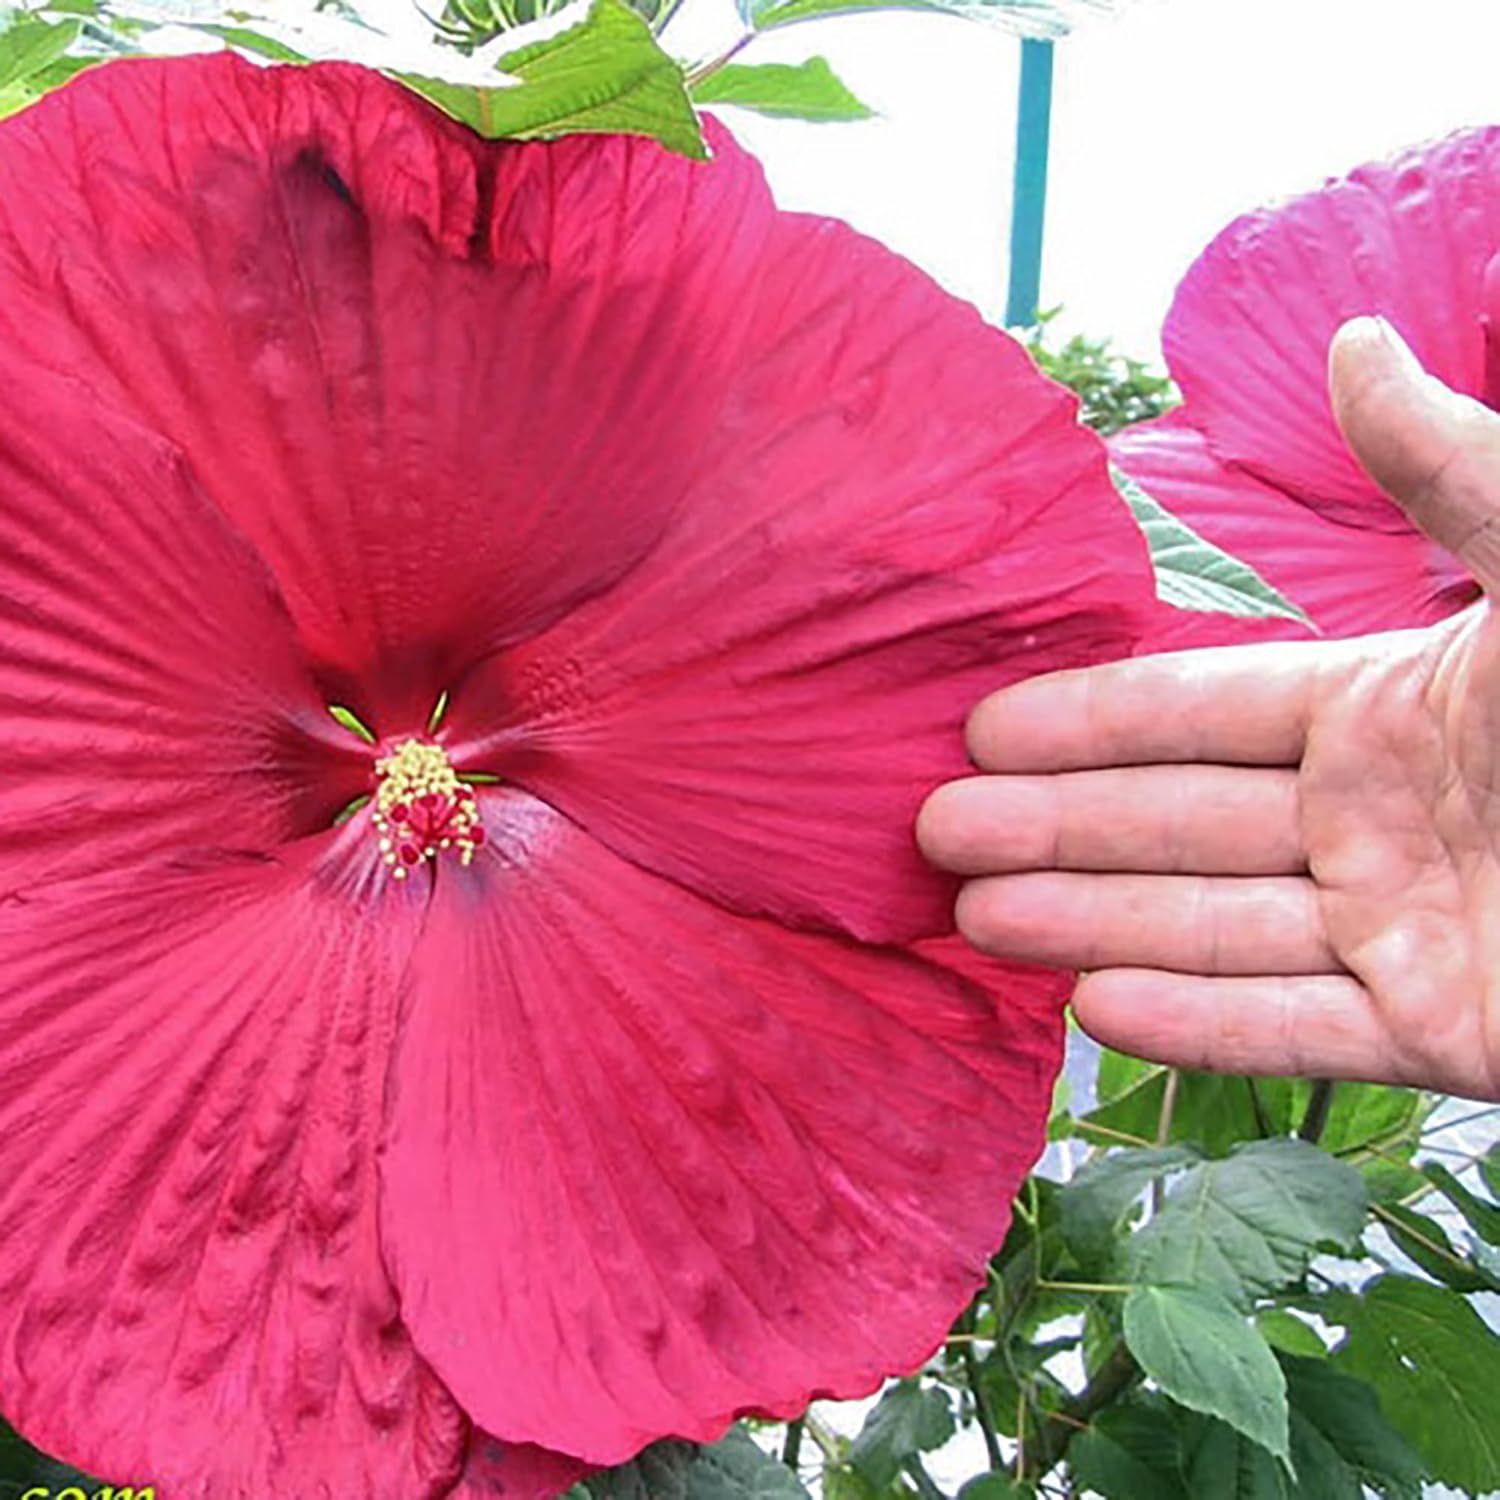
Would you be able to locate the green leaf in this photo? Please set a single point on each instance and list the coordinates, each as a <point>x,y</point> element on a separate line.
<point>1483,1218</point>
<point>909,1418</point>
<point>660,1473</point>
<point>1346,1414</point>
<point>1225,1464</point>
<point>996,1486</point>
<point>1365,1114</point>
<point>1130,1451</point>
<point>1017,1387</point>
<point>23,1467</point>
<point>1192,573</point>
<point>736,1468</point>
<point>1248,1224</point>
<point>1389,1181</point>
<point>1435,1367</point>
<point>802,91</point>
<point>1114,391</point>
<point>1037,18</point>
<point>606,75</point>
<point>1289,1334</point>
<point>1206,1356</point>
<point>246,39</point>
<point>1489,1170</point>
<point>1487,1258</point>
<point>27,46</point>
<point>1213,1111</point>
<point>1119,1073</point>
<point>1426,1242</point>
<point>1093,1207</point>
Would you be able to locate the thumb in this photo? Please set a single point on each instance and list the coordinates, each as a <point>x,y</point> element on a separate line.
<point>1434,452</point>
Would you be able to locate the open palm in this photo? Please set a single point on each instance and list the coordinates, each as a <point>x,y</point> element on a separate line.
<point>1283,858</point>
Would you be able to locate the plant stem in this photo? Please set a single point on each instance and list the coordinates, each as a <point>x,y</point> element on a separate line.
<point>791,1449</point>
<point>696,75</point>
<point>1168,1106</point>
<point>1315,1116</point>
<point>1431,1245</point>
<point>1123,1137</point>
<point>823,1436</point>
<point>1164,1130</point>
<point>1111,1380</point>
<point>1258,1109</point>
<point>976,1390</point>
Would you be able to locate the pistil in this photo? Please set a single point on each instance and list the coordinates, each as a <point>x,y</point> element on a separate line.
<point>422,809</point>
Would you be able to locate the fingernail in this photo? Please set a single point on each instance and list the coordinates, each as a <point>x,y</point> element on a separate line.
<point>1394,343</point>
<point>1369,342</point>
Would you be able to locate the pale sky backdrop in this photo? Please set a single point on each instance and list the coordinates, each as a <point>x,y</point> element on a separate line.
<point>1168,120</point>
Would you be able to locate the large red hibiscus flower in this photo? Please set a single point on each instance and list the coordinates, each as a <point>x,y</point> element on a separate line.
<point>608,1072</point>
<point>1253,459</point>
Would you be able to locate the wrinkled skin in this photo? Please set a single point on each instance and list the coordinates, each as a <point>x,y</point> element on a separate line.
<point>1272,859</point>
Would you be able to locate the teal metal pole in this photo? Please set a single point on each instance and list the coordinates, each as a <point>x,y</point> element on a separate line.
<point>1029,196</point>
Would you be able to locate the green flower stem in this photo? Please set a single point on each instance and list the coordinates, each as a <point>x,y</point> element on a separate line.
<point>1385,1216</point>
<point>1258,1109</point>
<point>1315,1117</point>
<point>696,75</point>
<point>824,1436</point>
<point>1110,1134</point>
<point>972,1378</point>
<point>791,1449</point>
<point>1168,1107</point>
<point>1111,1380</point>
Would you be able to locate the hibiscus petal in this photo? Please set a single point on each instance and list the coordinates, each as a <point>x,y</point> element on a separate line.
<point>515,1471</point>
<point>759,709</point>
<point>1348,579</point>
<point>688,1164</point>
<point>1248,334</point>
<point>191,1289</point>
<point>151,697</point>
<point>339,304</point>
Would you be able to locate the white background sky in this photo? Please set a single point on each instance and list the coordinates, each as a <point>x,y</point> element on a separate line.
<point>1168,120</point>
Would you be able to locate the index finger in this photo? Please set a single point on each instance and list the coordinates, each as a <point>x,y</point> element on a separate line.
<point>1230,705</point>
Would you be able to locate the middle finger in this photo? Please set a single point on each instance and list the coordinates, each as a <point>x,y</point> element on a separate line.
<point>1169,820</point>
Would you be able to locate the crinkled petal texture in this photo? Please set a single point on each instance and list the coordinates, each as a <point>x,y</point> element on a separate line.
<point>891,517</point>
<point>192,1290</point>
<point>688,1164</point>
<point>1247,337</point>
<point>429,379</point>
<point>685,449</point>
<point>1348,578</point>
<point>151,692</point>
<point>715,522</point>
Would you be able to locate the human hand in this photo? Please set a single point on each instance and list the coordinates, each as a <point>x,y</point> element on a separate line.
<point>1276,858</point>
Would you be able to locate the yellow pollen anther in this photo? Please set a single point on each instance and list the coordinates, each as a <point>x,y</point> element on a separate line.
<point>421,808</point>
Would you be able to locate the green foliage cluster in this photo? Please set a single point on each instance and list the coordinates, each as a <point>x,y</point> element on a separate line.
<point>1245,1291</point>
<point>610,70</point>
<point>1113,389</point>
